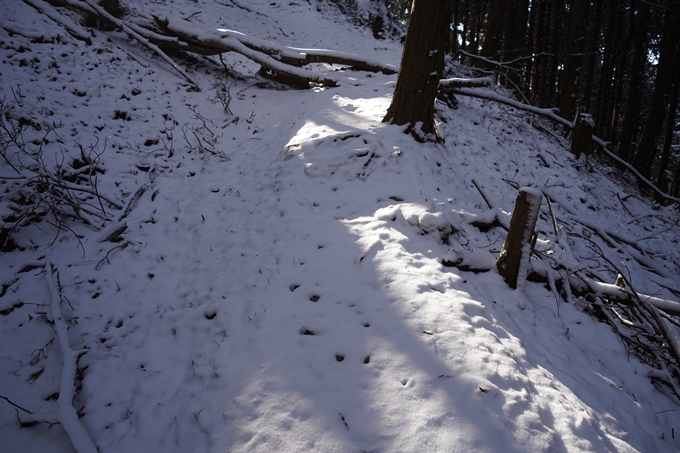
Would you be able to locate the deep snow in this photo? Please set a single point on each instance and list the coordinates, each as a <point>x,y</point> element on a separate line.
<point>284,290</point>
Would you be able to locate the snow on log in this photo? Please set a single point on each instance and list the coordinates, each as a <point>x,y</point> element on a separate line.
<point>460,83</point>
<point>229,41</point>
<point>492,96</point>
<point>74,29</point>
<point>616,293</point>
<point>282,60</point>
<point>94,8</point>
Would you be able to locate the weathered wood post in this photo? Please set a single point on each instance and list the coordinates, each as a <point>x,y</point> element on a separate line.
<point>582,137</point>
<point>513,261</point>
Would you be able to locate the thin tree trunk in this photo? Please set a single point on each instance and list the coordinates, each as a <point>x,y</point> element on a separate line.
<point>661,181</point>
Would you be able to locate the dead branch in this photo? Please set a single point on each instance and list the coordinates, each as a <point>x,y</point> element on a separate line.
<point>219,41</point>
<point>492,96</point>
<point>552,114</point>
<point>128,204</point>
<point>68,415</point>
<point>645,181</point>
<point>94,8</point>
<point>467,83</point>
<point>71,27</point>
<point>479,189</point>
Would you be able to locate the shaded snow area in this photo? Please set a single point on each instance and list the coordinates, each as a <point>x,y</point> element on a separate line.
<point>279,286</point>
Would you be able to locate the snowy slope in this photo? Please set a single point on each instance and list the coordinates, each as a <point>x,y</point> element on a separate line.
<point>280,286</point>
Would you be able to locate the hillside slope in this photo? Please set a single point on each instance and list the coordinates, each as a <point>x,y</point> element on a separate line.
<point>279,284</point>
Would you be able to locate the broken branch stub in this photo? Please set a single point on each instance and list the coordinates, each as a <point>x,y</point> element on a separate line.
<point>513,260</point>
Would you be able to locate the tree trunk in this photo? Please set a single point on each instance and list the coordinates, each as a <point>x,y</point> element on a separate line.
<point>662,88</point>
<point>634,91</point>
<point>569,80</point>
<point>493,38</point>
<point>421,68</point>
<point>518,43</point>
<point>606,88</point>
<point>549,75</point>
<point>661,181</point>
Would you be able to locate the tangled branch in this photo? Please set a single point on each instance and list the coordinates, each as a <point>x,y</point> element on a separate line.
<point>38,189</point>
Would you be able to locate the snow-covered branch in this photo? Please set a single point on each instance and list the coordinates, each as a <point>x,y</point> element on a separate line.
<point>48,10</point>
<point>647,182</point>
<point>552,114</point>
<point>493,96</point>
<point>230,41</point>
<point>457,82</point>
<point>68,417</point>
<point>89,5</point>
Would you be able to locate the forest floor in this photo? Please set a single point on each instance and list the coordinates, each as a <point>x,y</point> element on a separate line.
<point>279,283</point>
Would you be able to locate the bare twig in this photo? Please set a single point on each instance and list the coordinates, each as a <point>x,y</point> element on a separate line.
<point>15,405</point>
<point>481,192</point>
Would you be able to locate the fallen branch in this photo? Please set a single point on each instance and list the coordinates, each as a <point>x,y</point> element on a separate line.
<point>219,41</point>
<point>552,114</point>
<point>481,192</point>
<point>492,96</point>
<point>92,7</point>
<point>648,183</point>
<point>128,205</point>
<point>610,236</point>
<point>618,294</point>
<point>71,27</point>
<point>68,417</point>
<point>467,83</point>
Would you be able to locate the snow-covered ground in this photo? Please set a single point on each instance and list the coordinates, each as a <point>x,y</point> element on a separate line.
<point>279,285</point>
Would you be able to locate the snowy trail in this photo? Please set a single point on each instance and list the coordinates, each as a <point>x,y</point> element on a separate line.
<point>288,293</point>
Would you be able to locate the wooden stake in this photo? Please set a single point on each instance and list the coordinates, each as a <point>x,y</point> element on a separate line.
<point>513,260</point>
<point>581,139</point>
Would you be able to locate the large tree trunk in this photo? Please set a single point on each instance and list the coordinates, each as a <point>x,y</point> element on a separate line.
<point>662,89</point>
<point>493,38</point>
<point>569,80</point>
<point>518,43</point>
<point>422,64</point>
<point>640,28</point>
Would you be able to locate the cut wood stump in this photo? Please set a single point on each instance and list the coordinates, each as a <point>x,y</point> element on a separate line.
<point>513,261</point>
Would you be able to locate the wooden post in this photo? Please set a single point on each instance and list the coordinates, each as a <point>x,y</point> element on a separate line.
<point>513,261</point>
<point>582,137</point>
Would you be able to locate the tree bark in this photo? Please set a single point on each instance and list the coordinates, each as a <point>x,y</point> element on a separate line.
<point>422,64</point>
